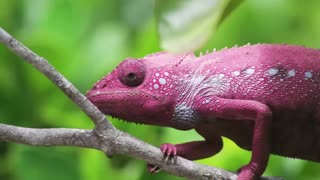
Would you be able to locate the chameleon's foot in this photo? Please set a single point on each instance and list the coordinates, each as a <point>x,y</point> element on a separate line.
<point>169,155</point>
<point>169,152</point>
<point>246,173</point>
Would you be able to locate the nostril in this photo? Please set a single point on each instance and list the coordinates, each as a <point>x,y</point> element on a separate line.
<point>99,85</point>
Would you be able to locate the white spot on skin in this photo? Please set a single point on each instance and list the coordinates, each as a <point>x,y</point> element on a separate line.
<point>206,101</point>
<point>291,73</point>
<point>154,80</point>
<point>166,73</point>
<point>273,71</point>
<point>214,79</point>
<point>156,86</point>
<point>157,74</point>
<point>162,81</point>
<point>308,74</point>
<point>236,73</point>
<point>249,71</point>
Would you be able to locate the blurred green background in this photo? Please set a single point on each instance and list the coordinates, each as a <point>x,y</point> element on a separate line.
<point>84,40</point>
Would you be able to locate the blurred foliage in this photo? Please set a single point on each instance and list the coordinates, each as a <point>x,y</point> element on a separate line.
<point>183,21</point>
<point>86,39</point>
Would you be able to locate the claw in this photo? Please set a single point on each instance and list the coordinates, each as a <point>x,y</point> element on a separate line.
<point>166,157</point>
<point>153,169</point>
<point>169,152</point>
<point>175,159</point>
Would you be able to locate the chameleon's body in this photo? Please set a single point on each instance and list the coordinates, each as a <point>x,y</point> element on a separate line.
<point>266,98</point>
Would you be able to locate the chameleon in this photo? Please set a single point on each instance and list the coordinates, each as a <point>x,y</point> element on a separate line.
<point>264,97</point>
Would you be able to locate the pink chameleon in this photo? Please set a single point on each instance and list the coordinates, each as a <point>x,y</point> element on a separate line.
<point>263,97</point>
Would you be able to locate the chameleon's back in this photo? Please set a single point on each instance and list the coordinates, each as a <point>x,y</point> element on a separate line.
<point>287,79</point>
<point>279,75</point>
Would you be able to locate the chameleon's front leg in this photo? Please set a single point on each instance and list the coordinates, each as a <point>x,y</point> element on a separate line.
<point>190,150</point>
<point>233,109</point>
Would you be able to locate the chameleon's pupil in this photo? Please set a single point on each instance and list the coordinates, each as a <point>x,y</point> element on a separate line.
<point>131,76</point>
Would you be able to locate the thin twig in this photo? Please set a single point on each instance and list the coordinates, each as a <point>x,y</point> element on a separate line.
<point>49,137</point>
<point>57,78</point>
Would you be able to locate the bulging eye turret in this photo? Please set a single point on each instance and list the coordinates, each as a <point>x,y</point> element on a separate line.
<point>131,72</point>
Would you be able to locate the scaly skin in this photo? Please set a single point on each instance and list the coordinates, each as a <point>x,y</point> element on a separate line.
<point>263,97</point>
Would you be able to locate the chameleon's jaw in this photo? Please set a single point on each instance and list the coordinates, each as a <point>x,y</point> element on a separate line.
<point>114,96</point>
<point>141,107</point>
<point>108,101</point>
<point>134,106</point>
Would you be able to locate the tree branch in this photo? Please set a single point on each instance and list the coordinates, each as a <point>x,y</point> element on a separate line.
<point>122,142</point>
<point>49,137</point>
<point>104,137</point>
<point>57,78</point>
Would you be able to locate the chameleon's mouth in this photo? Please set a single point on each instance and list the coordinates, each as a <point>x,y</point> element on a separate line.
<point>96,95</point>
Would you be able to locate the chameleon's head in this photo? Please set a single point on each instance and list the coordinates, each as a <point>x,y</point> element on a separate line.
<point>139,90</point>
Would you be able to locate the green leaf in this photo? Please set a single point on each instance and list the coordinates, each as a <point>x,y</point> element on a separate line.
<point>185,25</point>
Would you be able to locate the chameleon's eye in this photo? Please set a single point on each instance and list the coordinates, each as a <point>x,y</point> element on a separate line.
<point>131,72</point>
